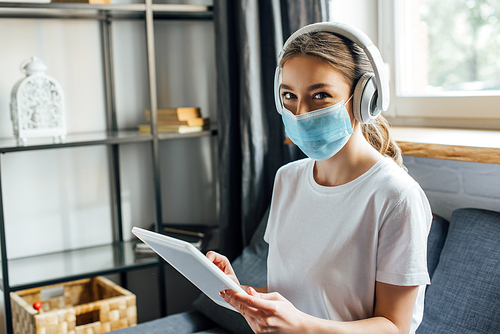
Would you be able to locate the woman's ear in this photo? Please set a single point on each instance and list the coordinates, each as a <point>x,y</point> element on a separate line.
<point>348,107</point>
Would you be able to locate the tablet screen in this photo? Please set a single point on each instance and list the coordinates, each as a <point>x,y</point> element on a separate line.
<point>191,263</point>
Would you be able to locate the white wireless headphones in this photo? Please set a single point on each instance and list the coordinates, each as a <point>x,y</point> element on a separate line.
<point>371,94</point>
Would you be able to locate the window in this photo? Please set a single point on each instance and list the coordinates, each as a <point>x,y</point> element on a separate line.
<point>444,60</point>
<point>448,47</point>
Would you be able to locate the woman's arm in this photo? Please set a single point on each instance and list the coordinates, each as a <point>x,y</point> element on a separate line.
<point>393,313</point>
<point>271,313</point>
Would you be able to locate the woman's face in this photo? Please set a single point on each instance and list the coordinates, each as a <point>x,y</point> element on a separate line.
<point>310,83</point>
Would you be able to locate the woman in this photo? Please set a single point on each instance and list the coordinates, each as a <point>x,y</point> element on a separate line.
<point>348,227</point>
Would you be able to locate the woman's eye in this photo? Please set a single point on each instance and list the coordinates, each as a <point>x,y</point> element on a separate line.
<point>321,95</point>
<point>288,95</point>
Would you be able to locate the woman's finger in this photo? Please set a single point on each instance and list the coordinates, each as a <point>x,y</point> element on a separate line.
<point>220,261</point>
<point>216,257</point>
<point>240,307</point>
<point>254,302</point>
<point>267,296</point>
<point>211,255</point>
<point>271,296</point>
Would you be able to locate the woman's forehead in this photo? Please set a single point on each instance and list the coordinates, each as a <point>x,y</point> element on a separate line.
<point>306,71</point>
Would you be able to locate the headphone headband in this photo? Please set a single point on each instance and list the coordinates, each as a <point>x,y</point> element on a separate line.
<point>363,41</point>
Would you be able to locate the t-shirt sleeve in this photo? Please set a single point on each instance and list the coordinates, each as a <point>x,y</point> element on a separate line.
<point>274,206</point>
<point>402,241</point>
<point>270,221</point>
<point>267,233</point>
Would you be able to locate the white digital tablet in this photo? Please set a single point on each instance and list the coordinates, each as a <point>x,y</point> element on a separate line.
<point>191,263</point>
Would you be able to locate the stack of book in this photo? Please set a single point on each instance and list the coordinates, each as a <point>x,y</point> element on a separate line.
<point>181,120</point>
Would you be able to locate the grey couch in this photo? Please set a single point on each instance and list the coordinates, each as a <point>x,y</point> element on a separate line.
<point>464,296</point>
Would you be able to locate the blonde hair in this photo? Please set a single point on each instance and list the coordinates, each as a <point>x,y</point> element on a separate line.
<point>352,62</point>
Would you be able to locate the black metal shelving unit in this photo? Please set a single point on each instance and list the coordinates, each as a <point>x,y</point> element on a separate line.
<point>117,257</point>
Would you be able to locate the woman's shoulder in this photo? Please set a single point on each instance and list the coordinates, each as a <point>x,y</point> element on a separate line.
<point>394,180</point>
<point>293,173</point>
<point>295,167</point>
<point>404,198</point>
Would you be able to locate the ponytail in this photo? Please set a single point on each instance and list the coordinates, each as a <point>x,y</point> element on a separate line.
<point>379,136</point>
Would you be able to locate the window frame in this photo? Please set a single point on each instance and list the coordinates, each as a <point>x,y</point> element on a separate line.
<point>450,110</point>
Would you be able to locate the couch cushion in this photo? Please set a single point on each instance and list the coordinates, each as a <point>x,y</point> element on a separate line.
<point>435,242</point>
<point>181,323</point>
<point>465,290</point>
<point>251,269</point>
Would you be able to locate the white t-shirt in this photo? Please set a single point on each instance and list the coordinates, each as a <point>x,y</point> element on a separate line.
<point>328,245</point>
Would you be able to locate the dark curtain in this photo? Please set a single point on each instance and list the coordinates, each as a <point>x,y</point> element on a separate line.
<point>249,35</point>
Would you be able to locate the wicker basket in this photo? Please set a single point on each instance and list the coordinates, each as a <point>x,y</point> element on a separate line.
<point>88,306</point>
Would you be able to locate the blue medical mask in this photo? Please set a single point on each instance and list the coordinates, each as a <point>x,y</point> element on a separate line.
<point>321,133</point>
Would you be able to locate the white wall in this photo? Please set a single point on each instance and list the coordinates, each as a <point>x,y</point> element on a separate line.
<point>451,185</point>
<point>359,13</point>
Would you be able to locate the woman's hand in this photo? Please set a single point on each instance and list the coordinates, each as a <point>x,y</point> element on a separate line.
<point>267,312</point>
<point>223,263</point>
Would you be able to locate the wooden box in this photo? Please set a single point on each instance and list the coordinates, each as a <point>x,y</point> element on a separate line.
<point>87,306</point>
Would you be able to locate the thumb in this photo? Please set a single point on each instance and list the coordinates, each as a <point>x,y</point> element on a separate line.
<point>252,292</point>
<point>267,296</point>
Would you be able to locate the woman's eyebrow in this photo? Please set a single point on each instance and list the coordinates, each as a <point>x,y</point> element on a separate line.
<point>312,87</point>
<point>318,86</point>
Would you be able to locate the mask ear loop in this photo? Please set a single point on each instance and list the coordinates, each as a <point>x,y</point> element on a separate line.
<point>345,104</point>
<point>349,99</point>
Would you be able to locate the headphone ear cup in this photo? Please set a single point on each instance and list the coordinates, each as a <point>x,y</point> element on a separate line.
<point>364,99</point>
<point>277,96</point>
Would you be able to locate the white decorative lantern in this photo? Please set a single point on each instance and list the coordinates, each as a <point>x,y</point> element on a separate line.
<point>37,104</point>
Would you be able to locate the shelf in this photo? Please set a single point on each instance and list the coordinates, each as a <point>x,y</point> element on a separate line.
<point>118,257</point>
<point>449,144</point>
<point>75,140</point>
<point>103,12</point>
<point>71,11</point>
<point>41,270</point>
<point>8,145</point>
